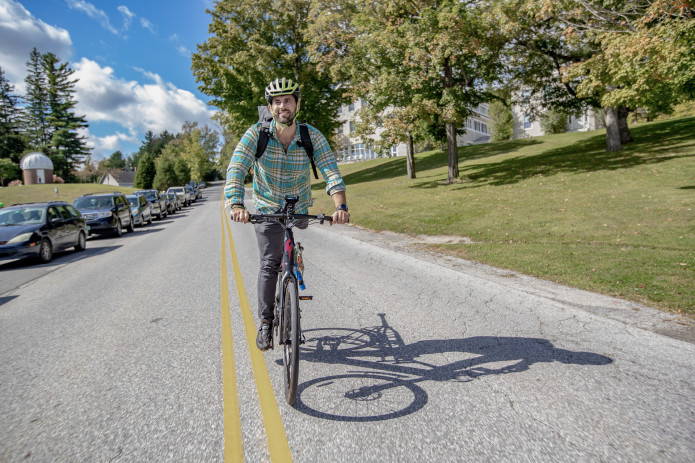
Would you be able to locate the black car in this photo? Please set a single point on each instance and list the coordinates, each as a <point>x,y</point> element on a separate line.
<point>159,207</point>
<point>37,230</point>
<point>106,212</point>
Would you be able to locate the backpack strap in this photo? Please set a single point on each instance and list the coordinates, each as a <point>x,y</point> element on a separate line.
<point>263,137</point>
<point>308,146</point>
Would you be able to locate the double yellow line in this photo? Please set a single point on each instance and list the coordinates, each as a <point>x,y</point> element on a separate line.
<point>278,446</point>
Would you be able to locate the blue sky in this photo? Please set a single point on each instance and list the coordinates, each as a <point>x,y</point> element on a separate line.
<point>132,59</point>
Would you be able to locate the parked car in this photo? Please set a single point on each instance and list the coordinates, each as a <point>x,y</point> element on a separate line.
<point>167,202</point>
<point>174,203</point>
<point>196,189</point>
<point>192,193</point>
<point>159,208</point>
<point>182,193</point>
<point>38,230</point>
<point>105,212</point>
<point>140,208</point>
<point>202,185</point>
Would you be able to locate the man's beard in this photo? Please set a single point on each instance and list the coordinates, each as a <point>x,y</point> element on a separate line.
<point>286,118</point>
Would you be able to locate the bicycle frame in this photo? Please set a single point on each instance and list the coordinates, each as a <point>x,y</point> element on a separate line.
<point>286,275</point>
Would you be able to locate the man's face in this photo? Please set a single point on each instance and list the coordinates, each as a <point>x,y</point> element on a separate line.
<point>284,108</point>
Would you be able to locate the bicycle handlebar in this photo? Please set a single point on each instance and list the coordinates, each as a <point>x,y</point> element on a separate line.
<point>285,217</point>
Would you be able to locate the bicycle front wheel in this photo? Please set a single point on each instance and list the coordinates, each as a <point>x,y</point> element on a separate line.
<point>292,336</point>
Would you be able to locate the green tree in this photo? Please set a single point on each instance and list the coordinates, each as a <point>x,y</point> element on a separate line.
<point>116,161</point>
<point>615,55</point>
<point>554,121</point>
<point>199,148</point>
<point>37,109</point>
<point>144,176</point>
<point>501,117</point>
<point>253,42</point>
<point>645,59</point>
<point>425,62</point>
<point>12,143</point>
<point>183,172</point>
<point>8,170</point>
<point>166,173</point>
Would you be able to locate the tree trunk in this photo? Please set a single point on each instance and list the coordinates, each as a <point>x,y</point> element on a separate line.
<point>451,128</point>
<point>612,130</point>
<point>452,152</point>
<point>410,157</point>
<point>625,136</point>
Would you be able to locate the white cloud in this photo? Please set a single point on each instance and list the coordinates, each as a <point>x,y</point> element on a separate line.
<point>136,107</point>
<point>94,13</point>
<point>127,16</point>
<point>120,111</point>
<point>20,32</point>
<point>147,25</point>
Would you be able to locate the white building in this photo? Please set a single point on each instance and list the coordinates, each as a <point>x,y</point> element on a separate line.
<point>526,125</point>
<point>354,149</point>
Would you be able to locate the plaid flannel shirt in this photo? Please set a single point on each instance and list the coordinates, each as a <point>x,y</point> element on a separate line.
<point>276,173</point>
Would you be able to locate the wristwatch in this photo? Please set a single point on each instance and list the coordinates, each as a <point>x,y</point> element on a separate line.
<point>342,207</point>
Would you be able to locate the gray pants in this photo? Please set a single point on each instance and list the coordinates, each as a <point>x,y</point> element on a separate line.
<point>270,237</point>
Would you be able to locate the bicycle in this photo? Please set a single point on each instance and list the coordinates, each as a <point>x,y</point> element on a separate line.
<point>287,324</point>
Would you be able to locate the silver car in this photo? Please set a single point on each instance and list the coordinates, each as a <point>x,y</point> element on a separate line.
<point>141,209</point>
<point>182,193</point>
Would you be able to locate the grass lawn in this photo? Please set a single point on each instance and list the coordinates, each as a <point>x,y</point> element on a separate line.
<point>66,192</point>
<point>558,207</point>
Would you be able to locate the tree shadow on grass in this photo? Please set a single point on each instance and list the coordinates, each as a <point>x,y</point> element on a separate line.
<point>396,167</point>
<point>654,143</point>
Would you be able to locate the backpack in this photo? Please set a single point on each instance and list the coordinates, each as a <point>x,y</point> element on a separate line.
<point>265,118</point>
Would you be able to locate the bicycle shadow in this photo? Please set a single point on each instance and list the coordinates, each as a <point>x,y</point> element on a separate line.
<point>386,384</point>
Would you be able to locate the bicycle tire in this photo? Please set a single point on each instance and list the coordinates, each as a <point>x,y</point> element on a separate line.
<point>292,336</point>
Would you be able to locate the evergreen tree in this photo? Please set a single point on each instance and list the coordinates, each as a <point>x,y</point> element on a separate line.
<point>166,174</point>
<point>12,143</point>
<point>116,161</point>
<point>146,172</point>
<point>36,124</point>
<point>67,146</point>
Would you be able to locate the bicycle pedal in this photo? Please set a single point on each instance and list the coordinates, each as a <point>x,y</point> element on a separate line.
<point>306,298</point>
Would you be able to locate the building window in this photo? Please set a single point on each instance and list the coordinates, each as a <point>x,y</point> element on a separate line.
<point>526,96</point>
<point>527,122</point>
<point>352,126</point>
<point>394,150</point>
<point>351,108</point>
<point>340,109</point>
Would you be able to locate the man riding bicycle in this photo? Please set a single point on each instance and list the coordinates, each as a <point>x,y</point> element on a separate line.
<point>282,170</point>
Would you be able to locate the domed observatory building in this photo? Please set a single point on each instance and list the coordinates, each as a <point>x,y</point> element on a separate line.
<point>37,167</point>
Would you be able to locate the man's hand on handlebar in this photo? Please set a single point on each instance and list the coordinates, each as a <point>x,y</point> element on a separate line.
<point>341,217</point>
<point>240,214</point>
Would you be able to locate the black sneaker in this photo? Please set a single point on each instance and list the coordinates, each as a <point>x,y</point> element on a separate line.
<point>264,340</point>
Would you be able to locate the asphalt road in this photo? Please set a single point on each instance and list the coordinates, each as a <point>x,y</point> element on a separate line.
<point>141,349</point>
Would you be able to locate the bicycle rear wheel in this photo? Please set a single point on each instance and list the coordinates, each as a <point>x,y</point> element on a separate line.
<point>292,335</point>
